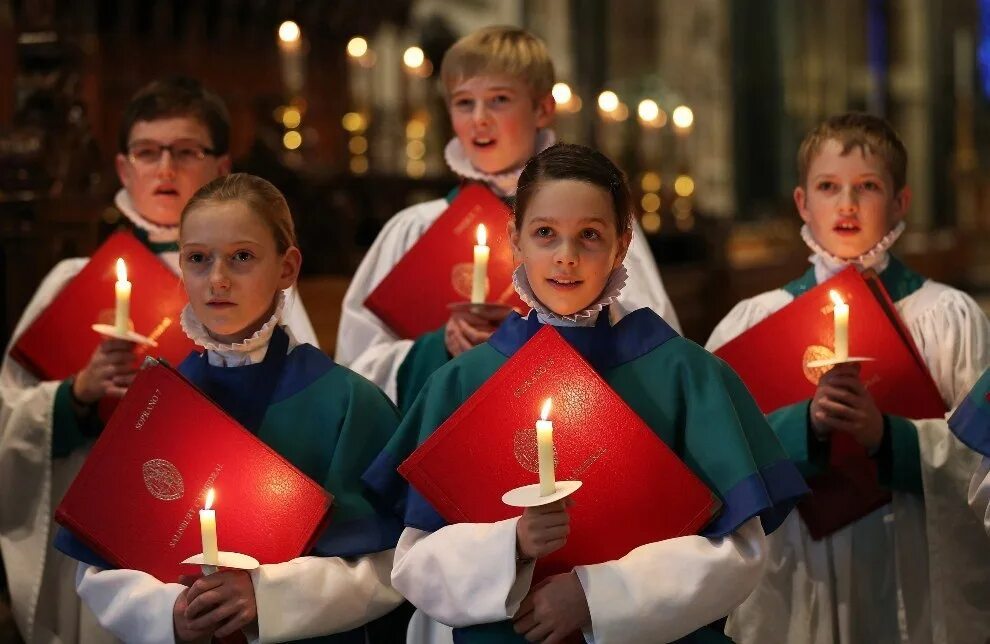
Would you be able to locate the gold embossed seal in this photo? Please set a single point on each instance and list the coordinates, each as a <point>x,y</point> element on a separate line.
<point>163,480</point>
<point>812,353</point>
<point>461,276</point>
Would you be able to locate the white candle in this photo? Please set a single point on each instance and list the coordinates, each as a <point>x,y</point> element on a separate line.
<point>841,346</point>
<point>479,280</point>
<point>122,317</point>
<point>290,49</point>
<point>544,444</point>
<point>208,530</point>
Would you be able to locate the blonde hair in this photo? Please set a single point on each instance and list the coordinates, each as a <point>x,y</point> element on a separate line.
<point>499,50</point>
<point>261,197</point>
<point>871,134</point>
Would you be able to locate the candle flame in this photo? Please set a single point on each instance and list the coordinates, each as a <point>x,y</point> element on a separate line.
<point>121,270</point>
<point>482,235</point>
<point>209,500</point>
<point>545,412</point>
<point>836,298</point>
<point>289,31</point>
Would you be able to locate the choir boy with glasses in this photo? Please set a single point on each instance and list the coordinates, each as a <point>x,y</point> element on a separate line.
<point>174,138</point>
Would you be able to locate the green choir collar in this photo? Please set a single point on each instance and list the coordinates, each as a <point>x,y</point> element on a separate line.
<point>899,280</point>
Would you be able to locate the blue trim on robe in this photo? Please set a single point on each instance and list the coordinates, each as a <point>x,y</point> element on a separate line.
<point>604,346</point>
<point>971,425</point>
<point>244,392</point>
<point>309,364</point>
<point>420,514</point>
<point>383,479</point>
<point>360,537</point>
<point>68,544</point>
<point>770,494</point>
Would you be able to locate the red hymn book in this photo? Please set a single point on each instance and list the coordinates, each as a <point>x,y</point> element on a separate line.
<point>488,446</point>
<point>61,340</point>
<point>772,359</point>
<point>436,271</point>
<point>136,500</point>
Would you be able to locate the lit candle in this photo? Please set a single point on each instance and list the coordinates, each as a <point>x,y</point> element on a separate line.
<point>841,346</point>
<point>544,444</point>
<point>290,49</point>
<point>480,277</point>
<point>122,317</point>
<point>208,529</point>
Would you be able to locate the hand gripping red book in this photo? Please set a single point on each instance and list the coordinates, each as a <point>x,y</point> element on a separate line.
<point>488,446</point>
<point>136,500</point>
<point>61,340</point>
<point>772,359</point>
<point>413,298</point>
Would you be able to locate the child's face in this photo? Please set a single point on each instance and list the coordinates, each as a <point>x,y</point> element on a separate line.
<point>849,202</point>
<point>232,269</point>
<point>160,188</point>
<point>496,120</point>
<point>569,244</point>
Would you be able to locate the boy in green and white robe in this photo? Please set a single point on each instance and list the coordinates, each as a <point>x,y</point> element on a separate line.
<point>44,434</point>
<point>466,575</point>
<point>328,422</point>
<point>915,570</point>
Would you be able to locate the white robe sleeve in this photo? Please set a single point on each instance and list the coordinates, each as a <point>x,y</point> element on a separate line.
<point>28,489</point>
<point>134,606</point>
<point>644,287</point>
<point>312,596</point>
<point>953,336</point>
<point>364,342</point>
<point>464,573</point>
<point>672,588</point>
<point>979,492</point>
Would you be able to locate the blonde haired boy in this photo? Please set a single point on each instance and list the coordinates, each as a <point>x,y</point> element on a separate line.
<point>497,82</point>
<point>915,570</point>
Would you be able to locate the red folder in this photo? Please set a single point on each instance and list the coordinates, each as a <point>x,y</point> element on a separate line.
<point>436,271</point>
<point>771,357</point>
<point>61,340</point>
<point>136,500</point>
<point>635,489</point>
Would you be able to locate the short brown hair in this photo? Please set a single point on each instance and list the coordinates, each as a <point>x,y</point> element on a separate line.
<point>571,162</point>
<point>177,97</point>
<point>260,196</point>
<point>856,130</point>
<point>499,50</point>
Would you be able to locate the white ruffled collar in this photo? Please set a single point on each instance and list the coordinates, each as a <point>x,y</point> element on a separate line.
<point>503,183</point>
<point>587,317</point>
<point>827,265</point>
<point>157,233</point>
<point>221,354</point>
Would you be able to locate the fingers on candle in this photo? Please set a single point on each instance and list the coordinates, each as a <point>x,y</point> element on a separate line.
<point>553,508</point>
<point>490,314</point>
<point>188,580</point>
<point>474,335</point>
<point>846,368</point>
<point>843,382</point>
<point>839,411</point>
<point>116,344</point>
<point>200,587</point>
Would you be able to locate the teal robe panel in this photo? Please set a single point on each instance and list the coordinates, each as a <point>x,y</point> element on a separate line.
<point>691,400</point>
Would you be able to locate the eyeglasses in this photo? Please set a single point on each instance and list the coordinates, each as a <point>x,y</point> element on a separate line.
<point>182,152</point>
